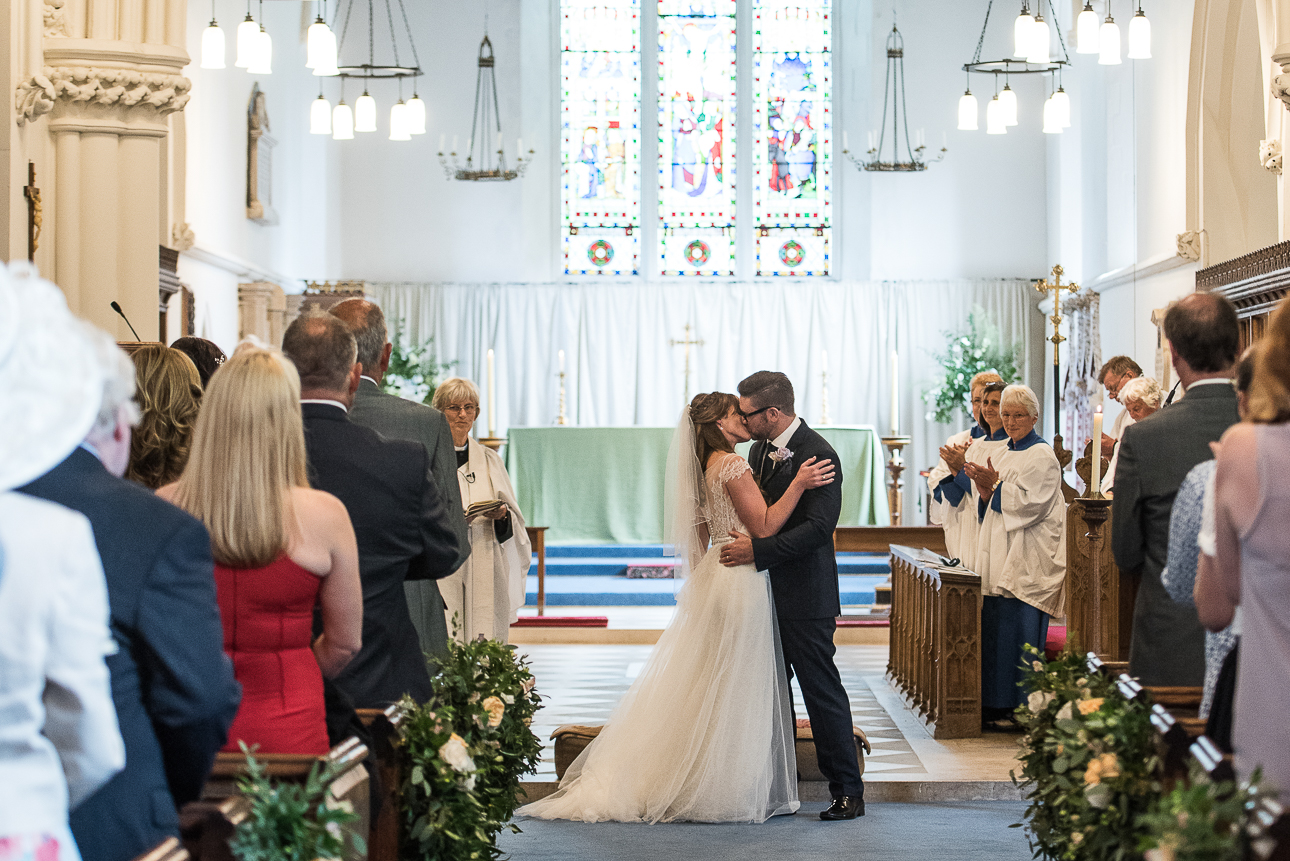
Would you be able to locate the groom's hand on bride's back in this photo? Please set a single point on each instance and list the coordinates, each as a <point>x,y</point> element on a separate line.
<point>737,552</point>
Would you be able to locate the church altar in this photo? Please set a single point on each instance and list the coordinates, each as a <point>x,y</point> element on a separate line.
<point>607,484</point>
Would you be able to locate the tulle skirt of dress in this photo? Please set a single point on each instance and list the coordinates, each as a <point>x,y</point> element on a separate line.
<point>705,732</point>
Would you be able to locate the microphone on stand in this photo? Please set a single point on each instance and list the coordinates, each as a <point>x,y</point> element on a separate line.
<point>117,308</point>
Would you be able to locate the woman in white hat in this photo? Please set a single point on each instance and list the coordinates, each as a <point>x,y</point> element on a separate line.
<point>59,741</point>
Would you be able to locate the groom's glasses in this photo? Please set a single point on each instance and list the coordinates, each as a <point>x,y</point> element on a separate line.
<point>755,412</point>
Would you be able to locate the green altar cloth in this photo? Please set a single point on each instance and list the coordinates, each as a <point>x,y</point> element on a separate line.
<point>606,485</point>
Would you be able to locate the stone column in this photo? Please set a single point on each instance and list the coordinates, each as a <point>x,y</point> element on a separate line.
<point>261,308</point>
<point>109,79</point>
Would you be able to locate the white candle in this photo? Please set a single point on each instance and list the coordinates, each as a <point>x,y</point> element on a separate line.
<point>443,139</point>
<point>519,147</point>
<point>945,140</point>
<point>873,141</point>
<point>824,360</point>
<point>845,145</point>
<point>562,361</point>
<point>895,393</point>
<point>454,144</point>
<point>1095,485</point>
<point>499,141</point>
<point>492,398</point>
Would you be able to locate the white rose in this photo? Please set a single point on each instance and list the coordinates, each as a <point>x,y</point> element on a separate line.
<point>454,753</point>
<point>1066,712</point>
<point>470,784</point>
<point>1038,701</point>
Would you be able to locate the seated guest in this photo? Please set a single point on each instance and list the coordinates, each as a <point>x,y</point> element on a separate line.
<point>960,500</point>
<point>206,355</point>
<point>402,527</point>
<point>172,685</point>
<point>1117,371</point>
<point>1141,397</point>
<point>169,391</point>
<point>1252,508</point>
<point>1022,555</point>
<point>397,418</point>
<point>60,735</point>
<point>941,512</point>
<point>1167,647</point>
<point>485,594</point>
<point>280,548</point>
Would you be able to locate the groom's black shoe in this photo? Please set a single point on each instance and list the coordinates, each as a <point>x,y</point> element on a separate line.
<point>844,807</point>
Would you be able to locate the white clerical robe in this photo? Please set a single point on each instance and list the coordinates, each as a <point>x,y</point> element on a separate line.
<point>487,591</point>
<point>945,511</point>
<point>1022,552</point>
<point>962,497</point>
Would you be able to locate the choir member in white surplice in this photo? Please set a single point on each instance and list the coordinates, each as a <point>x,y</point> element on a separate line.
<point>487,591</point>
<point>959,500</point>
<point>1022,550</point>
<point>944,513</point>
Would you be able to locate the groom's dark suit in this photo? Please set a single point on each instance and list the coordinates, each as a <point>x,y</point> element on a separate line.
<point>804,580</point>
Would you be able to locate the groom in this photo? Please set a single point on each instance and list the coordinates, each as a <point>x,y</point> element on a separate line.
<point>803,576</point>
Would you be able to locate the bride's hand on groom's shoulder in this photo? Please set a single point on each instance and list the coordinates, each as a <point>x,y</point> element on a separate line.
<point>737,552</point>
<point>815,473</point>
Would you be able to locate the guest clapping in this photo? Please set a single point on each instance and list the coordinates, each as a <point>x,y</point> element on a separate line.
<point>947,514</point>
<point>280,548</point>
<point>169,391</point>
<point>486,593</point>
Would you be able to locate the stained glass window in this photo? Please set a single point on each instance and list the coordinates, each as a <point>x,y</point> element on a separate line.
<point>792,136</point>
<point>600,150</point>
<point>696,126</point>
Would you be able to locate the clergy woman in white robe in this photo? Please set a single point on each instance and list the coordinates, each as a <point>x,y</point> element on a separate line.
<point>949,516</point>
<point>1022,551</point>
<point>486,592</point>
<point>960,520</point>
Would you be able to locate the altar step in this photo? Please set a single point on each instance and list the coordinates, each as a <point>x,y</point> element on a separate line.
<point>599,590</point>
<point>611,560</point>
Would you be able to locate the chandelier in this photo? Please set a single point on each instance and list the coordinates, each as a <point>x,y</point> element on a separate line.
<point>485,139</point>
<point>893,102</point>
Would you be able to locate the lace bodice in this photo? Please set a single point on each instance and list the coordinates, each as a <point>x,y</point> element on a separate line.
<point>720,509</point>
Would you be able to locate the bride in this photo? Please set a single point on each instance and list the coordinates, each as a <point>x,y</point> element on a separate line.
<point>704,734</point>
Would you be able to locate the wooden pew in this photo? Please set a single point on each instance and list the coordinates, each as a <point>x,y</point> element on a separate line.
<point>383,839</point>
<point>878,539</point>
<point>169,849</point>
<point>207,827</point>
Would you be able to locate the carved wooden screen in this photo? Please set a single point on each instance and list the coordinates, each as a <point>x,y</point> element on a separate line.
<point>1256,283</point>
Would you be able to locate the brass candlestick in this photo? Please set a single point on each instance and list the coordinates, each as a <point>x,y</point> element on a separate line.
<point>895,466</point>
<point>560,419</point>
<point>493,442</point>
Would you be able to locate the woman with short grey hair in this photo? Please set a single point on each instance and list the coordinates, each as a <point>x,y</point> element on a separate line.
<point>1141,397</point>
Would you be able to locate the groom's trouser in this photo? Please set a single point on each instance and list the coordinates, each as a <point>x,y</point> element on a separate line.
<point>808,654</point>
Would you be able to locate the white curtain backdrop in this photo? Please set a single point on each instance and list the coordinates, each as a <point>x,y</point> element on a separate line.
<point>623,370</point>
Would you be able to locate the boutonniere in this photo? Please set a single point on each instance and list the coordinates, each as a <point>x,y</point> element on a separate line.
<point>781,455</point>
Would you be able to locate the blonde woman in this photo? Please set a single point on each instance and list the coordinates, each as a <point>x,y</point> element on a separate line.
<point>487,591</point>
<point>280,548</point>
<point>169,393</point>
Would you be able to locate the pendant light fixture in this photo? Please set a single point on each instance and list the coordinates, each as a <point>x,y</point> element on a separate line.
<point>262,52</point>
<point>365,113</point>
<point>213,47</point>
<point>1008,103</point>
<point>994,124</point>
<point>1086,39</point>
<point>319,42</point>
<point>342,122</point>
<point>1021,33</point>
<point>968,112</point>
<point>1040,40</point>
<point>1140,36</point>
<point>1063,107</point>
<point>248,39</point>
<point>399,122</point>
<point>416,115</point>
<point>1108,41</point>
<point>1052,123</point>
<point>485,163</point>
<point>320,116</point>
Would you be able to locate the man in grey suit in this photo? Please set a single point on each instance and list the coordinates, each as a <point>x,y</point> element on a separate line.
<point>397,418</point>
<point>1168,644</point>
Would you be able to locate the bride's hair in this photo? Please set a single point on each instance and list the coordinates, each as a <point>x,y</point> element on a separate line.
<point>705,411</point>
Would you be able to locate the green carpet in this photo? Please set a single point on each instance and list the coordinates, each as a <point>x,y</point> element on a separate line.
<point>964,832</point>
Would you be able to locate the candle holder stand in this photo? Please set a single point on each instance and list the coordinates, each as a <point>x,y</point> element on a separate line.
<point>1095,510</point>
<point>895,467</point>
<point>493,442</point>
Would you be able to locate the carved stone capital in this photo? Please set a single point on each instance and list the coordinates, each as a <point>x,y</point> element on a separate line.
<point>85,86</point>
<point>55,18</point>
<point>182,237</point>
<point>1270,155</point>
<point>1189,245</point>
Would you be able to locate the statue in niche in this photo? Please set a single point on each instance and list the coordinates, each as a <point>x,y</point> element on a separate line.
<point>259,161</point>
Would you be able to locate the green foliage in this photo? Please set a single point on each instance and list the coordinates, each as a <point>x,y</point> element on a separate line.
<point>1089,760</point>
<point>414,372</point>
<point>1200,820</point>
<point>980,348</point>
<point>466,751</point>
<point>292,821</point>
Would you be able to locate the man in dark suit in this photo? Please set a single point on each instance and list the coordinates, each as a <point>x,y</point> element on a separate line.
<point>172,684</point>
<point>396,418</point>
<point>399,519</point>
<point>803,577</point>
<point>1168,644</point>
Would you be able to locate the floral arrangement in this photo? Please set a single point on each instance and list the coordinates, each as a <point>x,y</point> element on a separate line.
<point>292,821</point>
<point>1201,820</point>
<point>980,348</point>
<point>414,372</point>
<point>466,750</point>
<point>1089,760</point>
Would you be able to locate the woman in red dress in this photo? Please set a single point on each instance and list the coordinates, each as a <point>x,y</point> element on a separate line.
<point>281,549</point>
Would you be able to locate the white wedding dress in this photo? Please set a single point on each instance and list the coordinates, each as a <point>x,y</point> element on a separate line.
<point>705,732</point>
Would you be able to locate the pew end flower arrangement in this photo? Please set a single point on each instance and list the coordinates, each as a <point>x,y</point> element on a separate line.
<point>465,751</point>
<point>1202,820</point>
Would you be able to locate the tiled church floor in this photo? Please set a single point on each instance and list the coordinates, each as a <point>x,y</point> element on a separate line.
<point>582,683</point>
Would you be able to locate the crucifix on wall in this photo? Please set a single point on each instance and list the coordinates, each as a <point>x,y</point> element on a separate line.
<point>687,342</point>
<point>34,215</point>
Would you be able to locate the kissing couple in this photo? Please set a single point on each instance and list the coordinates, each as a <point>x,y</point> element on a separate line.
<point>706,732</point>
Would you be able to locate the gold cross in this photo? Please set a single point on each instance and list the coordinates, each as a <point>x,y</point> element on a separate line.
<point>1056,288</point>
<point>687,343</point>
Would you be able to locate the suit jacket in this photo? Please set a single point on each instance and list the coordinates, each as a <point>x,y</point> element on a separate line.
<point>403,534</point>
<point>172,684</point>
<point>1168,645</point>
<point>803,568</point>
<point>396,418</point>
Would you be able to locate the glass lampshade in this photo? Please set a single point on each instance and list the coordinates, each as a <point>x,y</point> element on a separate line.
<point>320,117</point>
<point>399,122</point>
<point>1109,43</point>
<point>1008,101</point>
<point>213,47</point>
<point>416,116</point>
<point>314,40</point>
<point>365,113</point>
<point>1063,109</point>
<point>1021,33</point>
<point>1086,31</point>
<point>1139,37</point>
<point>342,123</point>
<point>994,124</point>
<point>968,112</point>
<point>327,55</point>
<point>248,37</point>
<point>1052,122</point>
<point>1040,41</point>
<point>262,59</point>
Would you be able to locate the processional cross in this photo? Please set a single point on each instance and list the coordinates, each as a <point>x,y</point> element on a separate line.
<point>1056,288</point>
<point>687,343</point>
<point>34,214</point>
